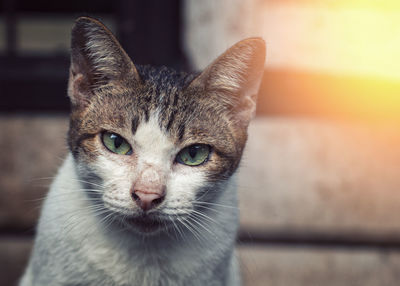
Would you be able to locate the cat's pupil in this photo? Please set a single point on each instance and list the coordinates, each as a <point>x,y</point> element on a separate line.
<point>117,141</point>
<point>193,151</point>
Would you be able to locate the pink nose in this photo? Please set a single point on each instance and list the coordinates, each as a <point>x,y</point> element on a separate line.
<point>147,200</point>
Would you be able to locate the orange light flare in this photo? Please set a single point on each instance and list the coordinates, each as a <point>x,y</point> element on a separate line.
<point>341,58</point>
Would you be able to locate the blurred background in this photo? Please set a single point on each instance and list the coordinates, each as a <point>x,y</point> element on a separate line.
<point>319,183</point>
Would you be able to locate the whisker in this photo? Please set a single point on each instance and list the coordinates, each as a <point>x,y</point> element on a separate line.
<point>87,182</point>
<point>217,211</point>
<point>188,227</point>
<point>201,225</point>
<point>198,213</point>
<point>215,204</point>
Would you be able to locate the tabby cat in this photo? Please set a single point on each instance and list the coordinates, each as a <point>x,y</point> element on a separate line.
<point>147,194</point>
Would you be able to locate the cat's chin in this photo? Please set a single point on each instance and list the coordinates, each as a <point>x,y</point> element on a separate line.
<point>146,225</point>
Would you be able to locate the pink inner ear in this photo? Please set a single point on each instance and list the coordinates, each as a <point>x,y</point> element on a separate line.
<point>78,89</point>
<point>248,108</point>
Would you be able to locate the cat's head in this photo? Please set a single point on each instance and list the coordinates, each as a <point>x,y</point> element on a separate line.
<point>151,144</point>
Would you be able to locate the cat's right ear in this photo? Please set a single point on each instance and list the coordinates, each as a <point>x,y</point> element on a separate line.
<point>97,59</point>
<point>234,78</point>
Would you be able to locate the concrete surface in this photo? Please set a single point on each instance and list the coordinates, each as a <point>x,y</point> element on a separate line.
<point>321,175</point>
<point>14,253</point>
<point>291,266</point>
<point>32,147</point>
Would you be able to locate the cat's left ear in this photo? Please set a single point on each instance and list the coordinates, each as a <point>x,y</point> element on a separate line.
<point>97,59</point>
<point>234,77</point>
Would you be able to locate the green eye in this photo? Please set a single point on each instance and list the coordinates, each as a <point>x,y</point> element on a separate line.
<point>193,155</point>
<point>116,143</point>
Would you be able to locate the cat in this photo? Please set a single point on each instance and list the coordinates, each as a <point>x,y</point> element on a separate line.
<point>147,194</point>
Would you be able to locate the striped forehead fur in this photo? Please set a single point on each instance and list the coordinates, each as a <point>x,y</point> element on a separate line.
<point>185,114</point>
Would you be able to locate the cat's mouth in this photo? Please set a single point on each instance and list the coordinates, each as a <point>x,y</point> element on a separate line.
<point>144,222</point>
<point>147,224</point>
